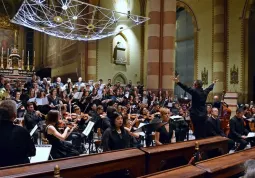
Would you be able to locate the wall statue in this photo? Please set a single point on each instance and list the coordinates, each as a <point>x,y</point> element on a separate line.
<point>234,75</point>
<point>204,76</point>
<point>120,50</point>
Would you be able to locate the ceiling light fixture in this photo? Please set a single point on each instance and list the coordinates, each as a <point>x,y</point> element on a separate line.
<point>89,22</point>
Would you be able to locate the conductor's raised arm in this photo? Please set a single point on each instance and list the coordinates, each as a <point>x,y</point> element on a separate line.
<point>183,86</point>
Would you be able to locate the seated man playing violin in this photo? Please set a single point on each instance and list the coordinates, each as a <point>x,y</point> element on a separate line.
<point>31,119</point>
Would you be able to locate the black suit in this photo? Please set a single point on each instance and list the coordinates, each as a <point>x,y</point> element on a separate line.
<point>237,130</point>
<point>16,144</point>
<point>213,128</point>
<point>198,112</point>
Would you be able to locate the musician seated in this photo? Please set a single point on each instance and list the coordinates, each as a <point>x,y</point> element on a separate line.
<point>209,110</point>
<point>135,140</point>
<point>238,133</point>
<point>60,148</point>
<point>164,134</point>
<point>31,119</point>
<point>53,99</point>
<point>115,137</point>
<point>16,143</point>
<point>247,115</point>
<point>216,102</point>
<point>213,127</point>
<point>97,118</point>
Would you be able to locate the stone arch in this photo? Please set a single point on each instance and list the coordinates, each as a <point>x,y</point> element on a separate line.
<point>181,4</point>
<point>120,77</point>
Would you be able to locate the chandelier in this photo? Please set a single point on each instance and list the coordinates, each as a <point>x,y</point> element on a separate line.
<point>74,19</point>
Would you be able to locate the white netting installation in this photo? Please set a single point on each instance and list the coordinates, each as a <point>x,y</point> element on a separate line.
<point>73,19</point>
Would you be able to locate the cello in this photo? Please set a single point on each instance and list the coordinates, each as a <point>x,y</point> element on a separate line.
<point>224,115</point>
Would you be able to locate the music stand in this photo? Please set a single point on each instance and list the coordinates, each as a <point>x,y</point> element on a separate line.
<point>42,153</point>
<point>151,127</point>
<point>87,132</point>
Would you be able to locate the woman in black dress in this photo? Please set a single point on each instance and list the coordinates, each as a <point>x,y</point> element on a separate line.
<point>60,148</point>
<point>165,133</point>
<point>115,137</point>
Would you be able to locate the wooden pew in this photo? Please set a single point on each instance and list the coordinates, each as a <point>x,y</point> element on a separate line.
<point>183,172</point>
<point>156,156</point>
<point>83,166</point>
<point>226,165</point>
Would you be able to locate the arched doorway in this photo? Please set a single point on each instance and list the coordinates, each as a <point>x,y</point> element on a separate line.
<point>185,48</point>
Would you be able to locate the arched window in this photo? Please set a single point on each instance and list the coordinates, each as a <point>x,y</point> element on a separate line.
<point>184,45</point>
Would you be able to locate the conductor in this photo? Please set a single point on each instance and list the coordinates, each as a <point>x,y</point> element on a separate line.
<point>198,113</point>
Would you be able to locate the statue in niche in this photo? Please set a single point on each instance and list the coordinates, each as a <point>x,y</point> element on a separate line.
<point>204,76</point>
<point>119,54</point>
<point>234,75</point>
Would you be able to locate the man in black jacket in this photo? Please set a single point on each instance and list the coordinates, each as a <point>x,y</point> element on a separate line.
<point>16,143</point>
<point>238,133</point>
<point>213,127</point>
<point>198,113</point>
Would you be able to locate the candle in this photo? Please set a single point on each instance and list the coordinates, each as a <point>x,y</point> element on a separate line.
<point>28,58</point>
<point>8,53</point>
<point>2,51</point>
<point>23,54</point>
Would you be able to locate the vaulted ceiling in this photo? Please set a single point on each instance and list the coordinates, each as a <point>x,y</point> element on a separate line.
<point>11,6</point>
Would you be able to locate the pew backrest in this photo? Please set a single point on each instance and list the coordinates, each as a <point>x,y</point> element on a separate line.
<point>184,171</point>
<point>155,156</point>
<point>83,166</point>
<point>227,165</point>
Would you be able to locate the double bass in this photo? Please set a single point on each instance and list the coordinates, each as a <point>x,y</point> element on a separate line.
<point>224,115</point>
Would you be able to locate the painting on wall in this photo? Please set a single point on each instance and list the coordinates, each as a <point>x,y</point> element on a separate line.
<point>6,40</point>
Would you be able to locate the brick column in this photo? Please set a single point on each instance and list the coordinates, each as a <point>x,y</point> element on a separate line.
<point>153,44</point>
<point>219,64</point>
<point>169,31</point>
<point>91,61</point>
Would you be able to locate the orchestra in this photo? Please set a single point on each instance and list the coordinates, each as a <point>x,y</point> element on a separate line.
<point>122,116</point>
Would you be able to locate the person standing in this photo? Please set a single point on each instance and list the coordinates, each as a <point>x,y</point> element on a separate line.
<point>198,112</point>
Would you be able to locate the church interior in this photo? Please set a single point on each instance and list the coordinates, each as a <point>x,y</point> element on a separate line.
<point>127,88</point>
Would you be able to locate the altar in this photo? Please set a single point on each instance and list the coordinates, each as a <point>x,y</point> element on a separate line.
<point>12,65</point>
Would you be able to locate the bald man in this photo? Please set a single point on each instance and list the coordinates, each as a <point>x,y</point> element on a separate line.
<point>216,102</point>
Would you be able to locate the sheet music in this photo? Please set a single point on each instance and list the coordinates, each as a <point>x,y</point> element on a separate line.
<point>63,88</point>
<point>33,130</point>
<point>251,134</point>
<point>170,105</point>
<point>42,153</point>
<point>32,100</point>
<point>145,101</point>
<point>88,129</point>
<point>141,124</point>
<point>18,105</point>
<point>20,119</point>
<point>42,101</point>
<point>78,95</point>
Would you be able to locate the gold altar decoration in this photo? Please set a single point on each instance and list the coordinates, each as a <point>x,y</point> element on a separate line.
<point>5,23</point>
<point>234,75</point>
<point>204,76</point>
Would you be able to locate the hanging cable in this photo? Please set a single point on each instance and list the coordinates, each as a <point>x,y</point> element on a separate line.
<point>5,9</point>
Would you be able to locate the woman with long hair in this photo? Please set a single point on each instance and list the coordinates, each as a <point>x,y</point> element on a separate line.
<point>115,137</point>
<point>60,148</point>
